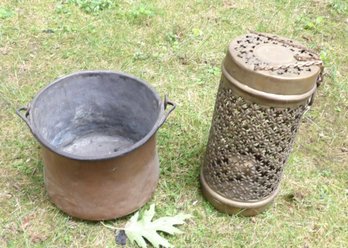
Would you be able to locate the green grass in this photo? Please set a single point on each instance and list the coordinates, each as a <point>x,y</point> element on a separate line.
<point>176,46</point>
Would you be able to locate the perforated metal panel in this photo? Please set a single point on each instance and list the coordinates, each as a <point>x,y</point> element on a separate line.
<point>248,146</point>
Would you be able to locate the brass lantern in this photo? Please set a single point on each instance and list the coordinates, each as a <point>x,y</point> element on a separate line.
<point>267,84</point>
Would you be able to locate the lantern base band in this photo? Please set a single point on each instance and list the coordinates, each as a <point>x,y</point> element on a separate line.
<point>229,206</point>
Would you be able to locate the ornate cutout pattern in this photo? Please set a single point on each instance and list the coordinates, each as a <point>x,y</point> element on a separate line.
<point>248,146</point>
<point>245,50</point>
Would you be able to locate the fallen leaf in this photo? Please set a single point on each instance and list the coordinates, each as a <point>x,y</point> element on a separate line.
<point>138,229</point>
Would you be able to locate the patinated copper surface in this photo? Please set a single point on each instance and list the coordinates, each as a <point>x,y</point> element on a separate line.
<point>104,189</point>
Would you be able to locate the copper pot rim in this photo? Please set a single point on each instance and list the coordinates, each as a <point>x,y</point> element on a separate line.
<point>162,116</point>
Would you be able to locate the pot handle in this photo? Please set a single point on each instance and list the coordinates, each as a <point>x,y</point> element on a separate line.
<point>166,102</point>
<point>25,116</point>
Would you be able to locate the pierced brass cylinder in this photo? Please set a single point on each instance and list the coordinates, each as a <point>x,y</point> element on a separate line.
<point>264,91</point>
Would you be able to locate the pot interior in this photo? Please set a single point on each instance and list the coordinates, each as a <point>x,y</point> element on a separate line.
<point>94,114</point>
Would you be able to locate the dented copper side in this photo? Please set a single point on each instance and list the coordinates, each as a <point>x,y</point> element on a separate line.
<point>266,86</point>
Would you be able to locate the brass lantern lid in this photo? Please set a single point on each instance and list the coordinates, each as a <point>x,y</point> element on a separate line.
<point>272,64</point>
